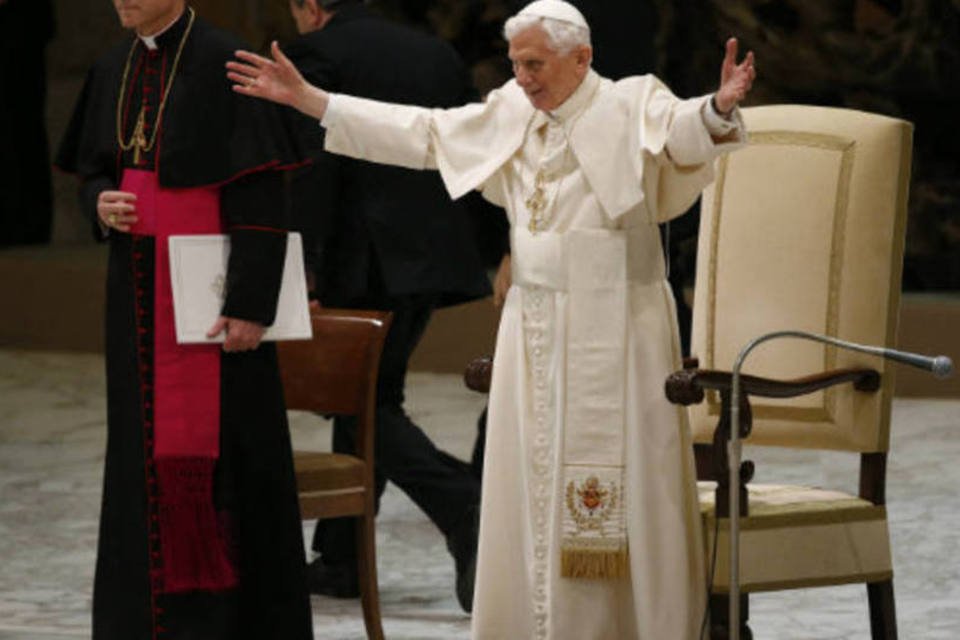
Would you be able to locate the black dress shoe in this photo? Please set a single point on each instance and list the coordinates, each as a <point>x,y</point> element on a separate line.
<point>334,580</point>
<point>462,544</point>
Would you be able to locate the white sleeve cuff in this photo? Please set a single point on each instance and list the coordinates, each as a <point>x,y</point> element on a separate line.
<point>329,118</point>
<point>718,125</point>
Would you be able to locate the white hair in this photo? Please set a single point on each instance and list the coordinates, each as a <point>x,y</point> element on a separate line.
<point>563,36</point>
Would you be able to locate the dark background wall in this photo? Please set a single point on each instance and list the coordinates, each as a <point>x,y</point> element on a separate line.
<point>897,57</point>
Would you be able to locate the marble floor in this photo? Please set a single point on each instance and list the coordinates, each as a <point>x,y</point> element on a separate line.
<point>51,442</point>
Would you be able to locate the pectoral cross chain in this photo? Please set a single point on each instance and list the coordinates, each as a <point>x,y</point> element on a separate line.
<point>537,203</point>
<point>139,138</point>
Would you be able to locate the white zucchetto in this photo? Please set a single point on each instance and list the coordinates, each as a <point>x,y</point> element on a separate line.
<point>557,10</point>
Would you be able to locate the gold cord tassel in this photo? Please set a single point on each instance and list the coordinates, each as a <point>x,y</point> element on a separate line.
<point>594,563</point>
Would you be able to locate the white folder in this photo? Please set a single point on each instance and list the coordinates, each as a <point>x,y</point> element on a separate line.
<point>198,274</point>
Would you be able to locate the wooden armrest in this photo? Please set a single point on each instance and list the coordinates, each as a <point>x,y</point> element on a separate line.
<point>477,374</point>
<point>688,386</point>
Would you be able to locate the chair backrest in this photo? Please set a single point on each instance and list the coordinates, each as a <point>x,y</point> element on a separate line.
<point>804,229</point>
<point>336,371</point>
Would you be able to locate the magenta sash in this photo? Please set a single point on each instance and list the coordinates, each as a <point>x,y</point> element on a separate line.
<point>194,539</point>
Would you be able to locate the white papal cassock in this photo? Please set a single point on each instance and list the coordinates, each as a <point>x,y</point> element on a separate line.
<point>615,159</point>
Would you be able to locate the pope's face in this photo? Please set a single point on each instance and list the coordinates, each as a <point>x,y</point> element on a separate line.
<point>147,17</point>
<point>547,77</point>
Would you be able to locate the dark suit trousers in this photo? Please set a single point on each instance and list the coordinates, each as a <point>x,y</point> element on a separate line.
<point>445,488</point>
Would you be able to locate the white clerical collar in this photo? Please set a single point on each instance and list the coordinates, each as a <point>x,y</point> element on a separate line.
<point>578,99</point>
<point>150,42</point>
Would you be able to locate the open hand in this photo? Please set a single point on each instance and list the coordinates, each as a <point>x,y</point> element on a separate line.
<point>735,79</point>
<point>276,80</point>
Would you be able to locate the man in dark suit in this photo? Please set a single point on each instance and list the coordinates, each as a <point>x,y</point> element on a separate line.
<point>380,237</point>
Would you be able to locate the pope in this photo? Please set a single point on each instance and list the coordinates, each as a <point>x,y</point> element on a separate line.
<point>589,523</point>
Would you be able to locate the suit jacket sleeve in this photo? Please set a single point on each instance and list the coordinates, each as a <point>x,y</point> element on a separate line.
<point>255,214</point>
<point>314,190</point>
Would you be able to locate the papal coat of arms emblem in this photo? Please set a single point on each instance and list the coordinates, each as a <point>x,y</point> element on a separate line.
<point>591,503</point>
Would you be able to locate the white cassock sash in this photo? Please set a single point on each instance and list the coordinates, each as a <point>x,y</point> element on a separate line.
<point>594,267</point>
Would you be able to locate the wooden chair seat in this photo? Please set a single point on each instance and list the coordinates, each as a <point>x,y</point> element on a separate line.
<point>320,471</point>
<point>330,485</point>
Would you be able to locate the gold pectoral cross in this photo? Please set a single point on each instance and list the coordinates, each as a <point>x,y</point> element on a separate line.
<point>536,203</point>
<point>139,138</point>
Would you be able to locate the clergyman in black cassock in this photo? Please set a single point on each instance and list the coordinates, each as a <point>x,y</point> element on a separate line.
<point>200,534</point>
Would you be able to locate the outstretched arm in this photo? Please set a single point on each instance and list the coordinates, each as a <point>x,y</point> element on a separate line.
<point>735,79</point>
<point>686,145</point>
<point>380,132</point>
<point>276,80</point>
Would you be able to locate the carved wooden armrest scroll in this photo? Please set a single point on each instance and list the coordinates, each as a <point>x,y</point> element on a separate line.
<point>688,387</point>
<point>477,374</point>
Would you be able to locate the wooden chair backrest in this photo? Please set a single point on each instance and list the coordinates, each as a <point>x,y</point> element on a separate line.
<point>336,371</point>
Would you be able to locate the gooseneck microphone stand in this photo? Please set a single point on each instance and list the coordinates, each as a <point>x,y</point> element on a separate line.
<point>940,366</point>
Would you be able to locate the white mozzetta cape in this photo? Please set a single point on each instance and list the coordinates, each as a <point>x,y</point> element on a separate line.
<point>586,339</point>
<point>468,144</point>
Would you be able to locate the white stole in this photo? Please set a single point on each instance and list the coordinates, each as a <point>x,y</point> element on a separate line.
<point>595,267</point>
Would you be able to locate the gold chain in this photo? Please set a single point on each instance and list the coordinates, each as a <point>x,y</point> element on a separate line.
<point>137,138</point>
<point>537,203</point>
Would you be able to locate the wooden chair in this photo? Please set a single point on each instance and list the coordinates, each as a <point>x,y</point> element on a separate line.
<point>336,373</point>
<point>803,229</point>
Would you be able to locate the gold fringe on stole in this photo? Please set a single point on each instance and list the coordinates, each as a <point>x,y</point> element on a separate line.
<point>594,563</point>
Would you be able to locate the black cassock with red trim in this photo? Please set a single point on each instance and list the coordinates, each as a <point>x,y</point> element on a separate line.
<point>196,540</point>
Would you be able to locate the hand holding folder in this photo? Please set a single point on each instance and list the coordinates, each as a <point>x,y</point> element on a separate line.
<point>198,265</point>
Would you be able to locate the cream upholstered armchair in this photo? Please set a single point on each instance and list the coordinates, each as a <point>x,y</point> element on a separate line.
<point>803,229</point>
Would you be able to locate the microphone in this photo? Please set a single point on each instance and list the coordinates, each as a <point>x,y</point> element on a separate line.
<point>940,366</point>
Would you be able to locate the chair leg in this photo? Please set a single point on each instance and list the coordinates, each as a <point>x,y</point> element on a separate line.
<point>883,615</point>
<point>367,573</point>
<point>720,617</point>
